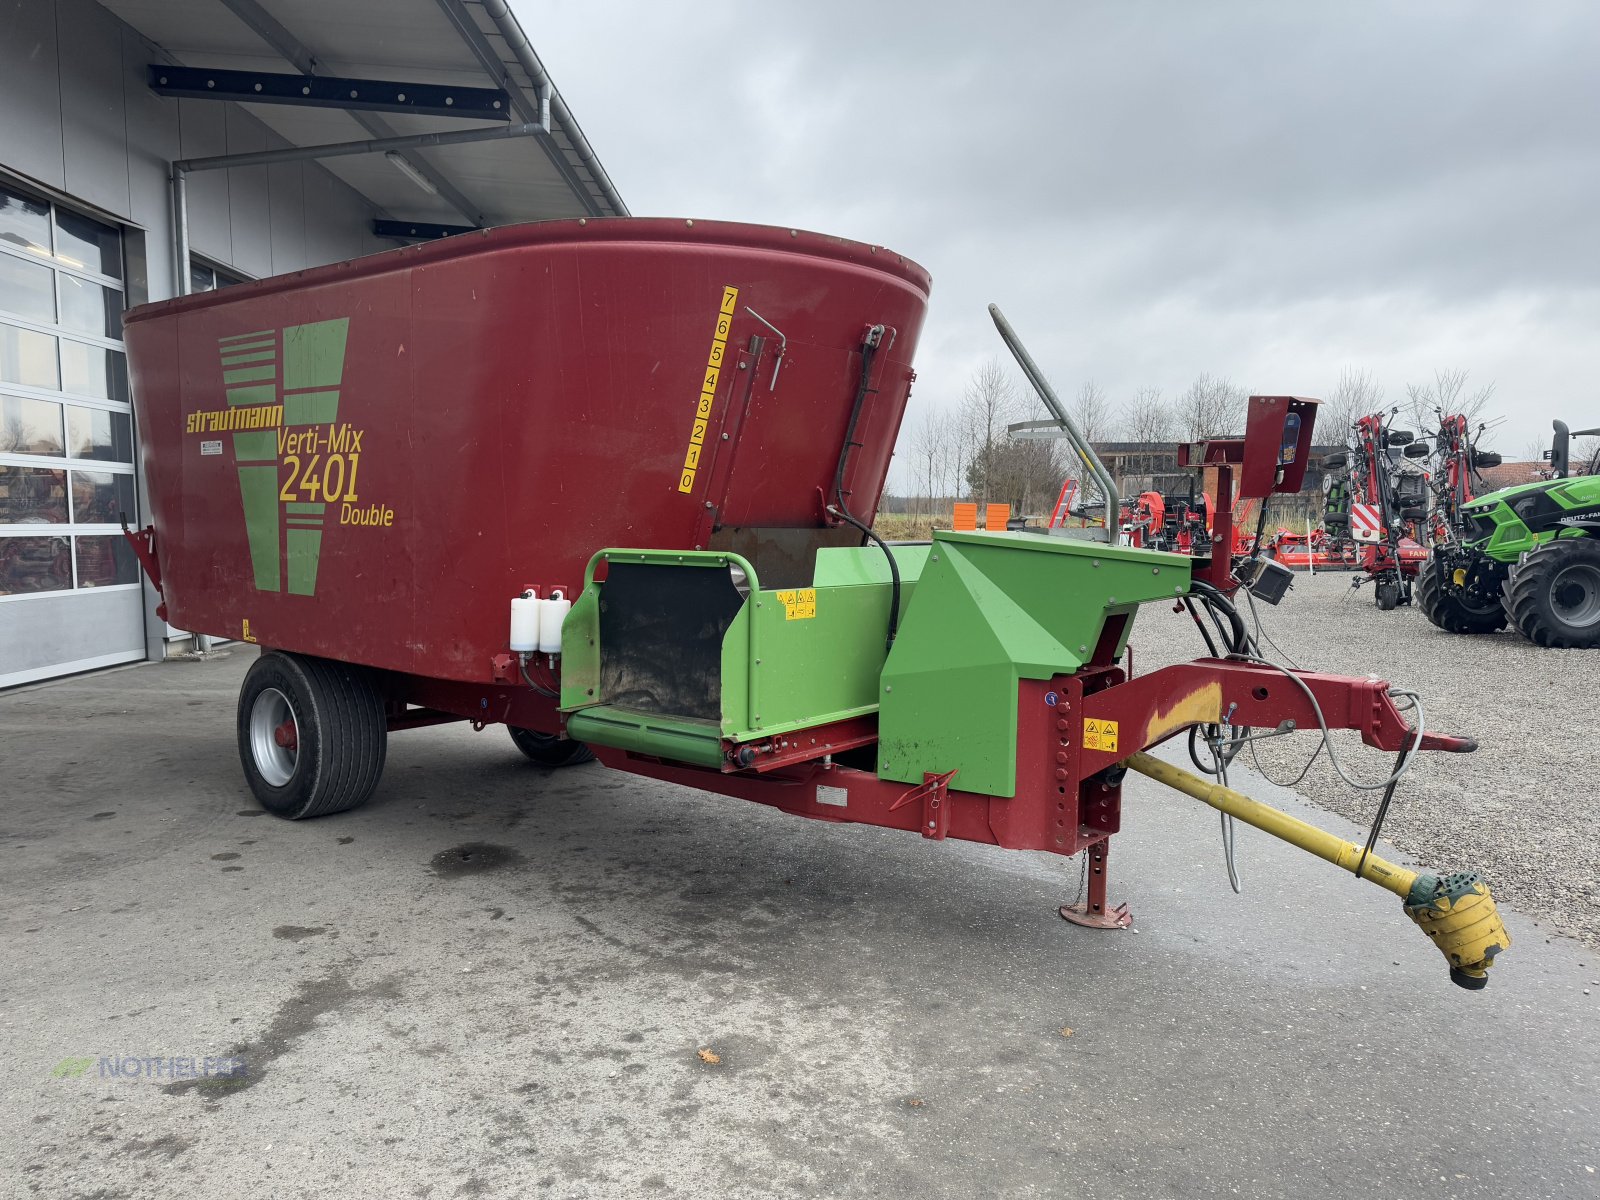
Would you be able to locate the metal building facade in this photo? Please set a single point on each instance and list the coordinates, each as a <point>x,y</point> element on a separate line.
<point>87,149</point>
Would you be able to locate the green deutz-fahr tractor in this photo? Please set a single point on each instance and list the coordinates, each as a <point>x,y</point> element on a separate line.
<point>1527,556</point>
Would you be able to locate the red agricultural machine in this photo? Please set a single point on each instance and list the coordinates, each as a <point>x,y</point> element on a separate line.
<point>1381,506</point>
<point>612,484</point>
<point>1454,479</point>
<point>1176,522</point>
<point>1317,550</point>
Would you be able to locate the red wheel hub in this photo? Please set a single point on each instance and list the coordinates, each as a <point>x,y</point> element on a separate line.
<point>287,736</point>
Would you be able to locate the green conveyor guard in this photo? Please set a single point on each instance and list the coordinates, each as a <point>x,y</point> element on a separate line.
<point>979,613</point>
<point>991,610</point>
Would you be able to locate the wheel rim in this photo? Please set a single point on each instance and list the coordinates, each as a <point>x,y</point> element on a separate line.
<point>274,737</point>
<point>1575,594</point>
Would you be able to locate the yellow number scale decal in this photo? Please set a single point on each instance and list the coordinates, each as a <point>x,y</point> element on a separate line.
<point>708,389</point>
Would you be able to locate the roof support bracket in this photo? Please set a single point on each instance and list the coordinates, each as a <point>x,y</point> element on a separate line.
<point>421,231</point>
<point>182,168</point>
<point>327,91</point>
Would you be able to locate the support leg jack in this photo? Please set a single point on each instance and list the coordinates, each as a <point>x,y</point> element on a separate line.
<point>1093,913</point>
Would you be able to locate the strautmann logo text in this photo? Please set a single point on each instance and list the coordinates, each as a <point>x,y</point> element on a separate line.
<point>299,464</point>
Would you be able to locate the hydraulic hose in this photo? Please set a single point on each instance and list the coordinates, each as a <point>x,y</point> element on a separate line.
<point>1217,601</point>
<point>1456,911</point>
<point>839,508</point>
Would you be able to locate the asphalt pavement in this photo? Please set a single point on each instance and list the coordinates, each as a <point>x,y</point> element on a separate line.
<point>502,980</point>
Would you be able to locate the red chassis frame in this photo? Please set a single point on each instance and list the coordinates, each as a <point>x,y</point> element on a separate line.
<point>1068,797</point>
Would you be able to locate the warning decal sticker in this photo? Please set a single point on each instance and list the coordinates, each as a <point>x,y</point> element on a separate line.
<point>799,604</point>
<point>1099,734</point>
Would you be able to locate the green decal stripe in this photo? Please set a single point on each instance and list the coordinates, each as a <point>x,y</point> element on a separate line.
<point>305,546</point>
<point>261,393</point>
<point>261,446</point>
<point>244,337</point>
<point>250,374</point>
<point>233,360</point>
<point>313,355</point>
<point>311,408</point>
<point>241,347</point>
<point>305,506</point>
<point>258,488</point>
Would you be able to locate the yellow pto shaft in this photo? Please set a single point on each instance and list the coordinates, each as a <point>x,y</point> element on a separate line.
<point>1456,911</point>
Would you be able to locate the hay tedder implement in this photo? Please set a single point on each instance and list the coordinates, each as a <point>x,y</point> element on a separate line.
<point>660,446</point>
<point>1381,505</point>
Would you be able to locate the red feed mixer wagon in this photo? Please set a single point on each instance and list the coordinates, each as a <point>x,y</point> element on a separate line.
<point>611,483</point>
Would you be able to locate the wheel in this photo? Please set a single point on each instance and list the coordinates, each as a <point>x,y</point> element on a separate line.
<point>1454,608</point>
<point>1554,596</point>
<point>548,750</point>
<point>1387,594</point>
<point>312,735</point>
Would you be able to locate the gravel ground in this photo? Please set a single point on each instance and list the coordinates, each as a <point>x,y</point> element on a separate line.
<point>1524,809</point>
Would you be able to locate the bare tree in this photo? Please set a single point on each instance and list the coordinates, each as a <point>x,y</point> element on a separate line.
<point>989,403</point>
<point>1210,408</point>
<point>1092,412</point>
<point>929,445</point>
<point>1354,396</point>
<point>1584,456</point>
<point>1148,419</point>
<point>1448,393</point>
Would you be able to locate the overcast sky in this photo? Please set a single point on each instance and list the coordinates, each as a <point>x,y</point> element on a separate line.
<point>1265,191</point>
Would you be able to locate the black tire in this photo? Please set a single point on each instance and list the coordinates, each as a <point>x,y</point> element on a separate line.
<point>1554,596</point>
<point>341,736</point>
<point>548,750</point>
<point>1387,594</point>
<point>1453,609</point>
<point>1482,459</point>
<point>1335,462</point>
<point>1335,520</point>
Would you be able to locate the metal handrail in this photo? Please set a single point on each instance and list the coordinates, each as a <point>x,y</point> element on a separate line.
<point>1068,426</point>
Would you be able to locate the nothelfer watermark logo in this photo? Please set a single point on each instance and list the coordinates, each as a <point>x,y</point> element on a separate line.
<point>206,1071</point>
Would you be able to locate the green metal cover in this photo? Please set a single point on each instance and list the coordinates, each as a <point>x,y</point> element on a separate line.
<point>992,609</point>
<point>791,658</point>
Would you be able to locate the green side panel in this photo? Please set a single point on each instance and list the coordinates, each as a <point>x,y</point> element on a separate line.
<point>257,394</point>
<point>676,739</point>
<point>304,548</point>
<point>840,565</point>
<point>313,355</point>
<point>990,610</point>
<point>311,408</point>
<point>810,670</point>
<point>251,356</point>
<point>258,488</point>
<point>260,446</point>
<point>738,655</point>
<point>790,658</point>
<point>580,649</point>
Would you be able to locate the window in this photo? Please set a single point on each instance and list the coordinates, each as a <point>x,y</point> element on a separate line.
<point>66,427</point>
<point>203,277</point>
